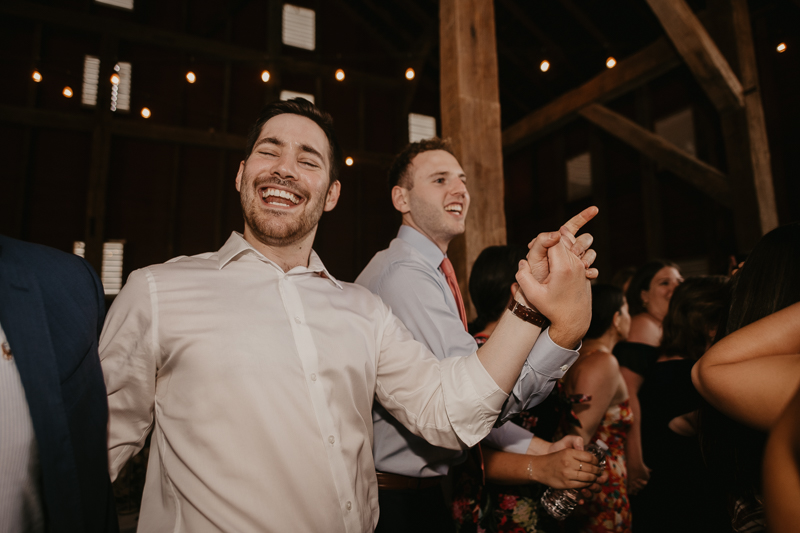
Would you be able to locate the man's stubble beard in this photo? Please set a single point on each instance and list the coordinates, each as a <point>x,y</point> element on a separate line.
<point>277,228</point>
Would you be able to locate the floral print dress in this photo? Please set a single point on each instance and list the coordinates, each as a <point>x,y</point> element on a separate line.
<point>609,510</point>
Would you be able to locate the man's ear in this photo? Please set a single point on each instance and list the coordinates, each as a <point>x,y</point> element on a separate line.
<point>400,199</point>
<point>616,319</point>
<point>332,198</point>
<point>239,176</point>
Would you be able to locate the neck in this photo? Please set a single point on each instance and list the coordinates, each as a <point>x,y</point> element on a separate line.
<point>286,256</point>
<point>653,317</point>
<point>408,221</point>
<point>605,343</point>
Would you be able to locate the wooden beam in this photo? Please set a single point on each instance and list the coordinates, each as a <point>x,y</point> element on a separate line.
<point>632,72</point>
<point>139,33</point>
<point>703,176</point>
<point>470,107</point>
<point>701,55</point>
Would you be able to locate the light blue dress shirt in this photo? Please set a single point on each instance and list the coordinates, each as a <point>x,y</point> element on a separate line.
<point>407,277</point>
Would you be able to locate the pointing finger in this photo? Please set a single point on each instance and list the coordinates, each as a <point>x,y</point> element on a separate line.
<point>578,221</point>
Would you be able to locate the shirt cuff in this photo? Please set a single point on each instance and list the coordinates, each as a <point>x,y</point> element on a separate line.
<point>472,398</point>
<point>550,359</point>
<point>510,438</point>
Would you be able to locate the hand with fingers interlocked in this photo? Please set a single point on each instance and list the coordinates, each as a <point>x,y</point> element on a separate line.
<point>555,278</point>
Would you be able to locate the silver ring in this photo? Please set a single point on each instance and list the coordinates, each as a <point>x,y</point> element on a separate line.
<point>580,466</point>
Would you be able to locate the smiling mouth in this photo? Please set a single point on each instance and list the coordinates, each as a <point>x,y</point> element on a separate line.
<point>279,197</point>
<point>454,208</point>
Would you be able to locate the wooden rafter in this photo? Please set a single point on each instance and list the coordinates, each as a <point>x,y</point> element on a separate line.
<point>700,53</point>
<point>703,176</point>
<point>629,73</point>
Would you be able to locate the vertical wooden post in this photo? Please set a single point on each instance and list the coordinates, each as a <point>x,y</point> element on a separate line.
<point>470,106</point>
<point>101,152</point>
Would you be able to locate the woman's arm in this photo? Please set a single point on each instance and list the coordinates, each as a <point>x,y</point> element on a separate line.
<point>638,473</point>
<point>566,469</point>
<point>747,375</point>
<point>782,471</point>
<point>599,378</point>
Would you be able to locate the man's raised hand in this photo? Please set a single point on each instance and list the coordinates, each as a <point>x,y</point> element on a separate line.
<point>537,256</point>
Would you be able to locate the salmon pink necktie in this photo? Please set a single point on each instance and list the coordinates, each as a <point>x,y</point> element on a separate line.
<point>450,275</point>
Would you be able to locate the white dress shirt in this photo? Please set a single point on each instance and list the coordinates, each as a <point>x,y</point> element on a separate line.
<point>259,385</point>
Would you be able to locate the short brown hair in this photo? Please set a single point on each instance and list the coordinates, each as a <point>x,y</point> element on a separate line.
<point>695,310</point>
<point>303,108</point>
<point>398,172</point>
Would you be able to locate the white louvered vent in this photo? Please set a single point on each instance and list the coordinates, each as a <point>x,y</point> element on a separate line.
<point>111,270</point>
<point>420,127</point>
<point>678,129</point>
<point>579,177</point>
<point>123,4</point>
<point>79,248</point>
<point>299,27</point>
<point>91,79</point>
<point>288,95</point>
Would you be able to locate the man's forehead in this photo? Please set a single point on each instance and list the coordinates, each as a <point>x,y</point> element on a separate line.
<point>290,128</point>
<point>436,162</point>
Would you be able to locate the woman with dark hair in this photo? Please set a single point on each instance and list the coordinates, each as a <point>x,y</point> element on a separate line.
<point>751,374</point>
<point>648,296</point>
<point>603,412</point>
<point>671,402</point>
<point>516,479</point>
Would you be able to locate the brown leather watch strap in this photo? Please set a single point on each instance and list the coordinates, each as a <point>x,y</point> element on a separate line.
<point>527,314</point>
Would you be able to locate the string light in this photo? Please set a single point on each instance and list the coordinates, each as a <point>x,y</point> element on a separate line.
<point>781,48</point>
<point>410,73</point>
<point>115,79</point>
<point>145,112</point>
<point>339,74</point>
<point>611,62</point>
<point>190,77</point>
<point>545,66</point>
<point>265,76</point>
<point>37,77</point>
<point>67,92</point>
<point>349,161</point>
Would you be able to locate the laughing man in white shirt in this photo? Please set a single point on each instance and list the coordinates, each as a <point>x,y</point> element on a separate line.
<point>256,370</point>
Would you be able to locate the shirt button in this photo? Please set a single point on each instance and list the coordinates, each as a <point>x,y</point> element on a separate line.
<point>297,319</point>
<point>313,377</point>
<point>331,439</point>
<point>564,368</point>
<point>349,506</point>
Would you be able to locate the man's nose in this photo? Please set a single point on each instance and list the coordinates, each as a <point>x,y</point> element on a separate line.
<point>459,188</point>
<point>285,167</point>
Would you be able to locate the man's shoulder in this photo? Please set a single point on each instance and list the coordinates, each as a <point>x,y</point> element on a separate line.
<point>399,257</point>
<point>42,261</point>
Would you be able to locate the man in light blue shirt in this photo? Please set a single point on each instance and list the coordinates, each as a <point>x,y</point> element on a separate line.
<point>429,190</point>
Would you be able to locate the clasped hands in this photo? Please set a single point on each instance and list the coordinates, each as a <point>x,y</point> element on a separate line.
<point>555,276</point>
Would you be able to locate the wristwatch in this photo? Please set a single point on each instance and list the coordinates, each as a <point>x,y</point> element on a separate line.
<point>527,314</point>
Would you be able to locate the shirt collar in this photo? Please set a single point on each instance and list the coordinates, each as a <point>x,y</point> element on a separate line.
<point>422,244</point>
<point>236,246</point>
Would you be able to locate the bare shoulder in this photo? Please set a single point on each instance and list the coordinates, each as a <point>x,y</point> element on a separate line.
<point>644,330</point>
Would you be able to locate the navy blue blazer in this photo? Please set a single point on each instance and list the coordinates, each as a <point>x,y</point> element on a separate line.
<point>52,310</point>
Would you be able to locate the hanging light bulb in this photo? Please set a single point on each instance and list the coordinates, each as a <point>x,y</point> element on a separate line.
<point>37,77</point>
<point>781,48</point>
<point>145,112</point>
<point>67,92</point>
<point>611,62</point>
<point>339,74</point>
<point>349,161</point>
<point>190,77</point>
<point>410,73</point>
<point>115,79</point>
<point>265,76</point>
<point>545,66</point>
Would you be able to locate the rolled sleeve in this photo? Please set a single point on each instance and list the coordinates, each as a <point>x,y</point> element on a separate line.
<point>546,364</point>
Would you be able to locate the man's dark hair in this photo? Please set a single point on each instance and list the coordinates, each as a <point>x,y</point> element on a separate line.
<point>303,108</point>
<point>398,172</point>
<point>606,301</point>
<point>641,282</point>
<point>493,273</point>
<point>695,309</point>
